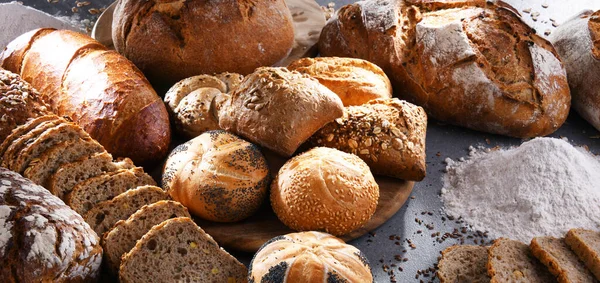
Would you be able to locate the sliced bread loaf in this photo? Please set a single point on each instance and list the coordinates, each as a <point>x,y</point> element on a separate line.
<point>512,261</point>
<point>560,260</point>
<point>68,175</point>
<point>122,238</point>
<point>63,132</point>
<point>103,216</point>
<point>19,143</point>
<point>41,168</point>
<point>23,129</point>
<point>463,263</point>
<point>177,250</point>
<point>93,191</point>
<point>586,245</point>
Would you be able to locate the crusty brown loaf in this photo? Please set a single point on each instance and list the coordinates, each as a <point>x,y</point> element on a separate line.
<point>355,81</point>
<point>99,89</point>
<point>42,239</point>
<point>578,43</point>
<point>172,40</point>
<point>19,103</point>
<point>279,109</point>
<point>324,189</point>
<point>309,257</point>
<point>560,260</point>
<point>466,62</point>
<point>388,134</point>
<point>217,176</point>
<point>463,263</point>
<point>586,245</point>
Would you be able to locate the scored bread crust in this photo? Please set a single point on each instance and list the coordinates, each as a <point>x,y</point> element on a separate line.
<point>439,55</point>
<point>463,263</point>
<point>560,260</point>
<point>586,245</point>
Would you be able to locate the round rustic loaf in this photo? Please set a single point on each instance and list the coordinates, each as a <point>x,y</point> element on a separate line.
<point>174,39</point>
<point>470,63</point>
<point>42,239</point>
<point>217,176</point>
<point>578,43</point>
<point>324,189</point>
<point>355,81</point>
<point>309,257</point>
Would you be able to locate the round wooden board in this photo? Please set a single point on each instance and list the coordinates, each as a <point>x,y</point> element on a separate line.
<point>250,234</point>
<point>308,17</point>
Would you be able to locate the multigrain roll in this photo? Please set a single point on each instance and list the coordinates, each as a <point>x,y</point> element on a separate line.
<point>217,176</point>
<point>309,257</point>
<point>355,81</point>
<point>470,63</point>
<point>324,189</point>
<point>388,134</point>
<point>279,109</point>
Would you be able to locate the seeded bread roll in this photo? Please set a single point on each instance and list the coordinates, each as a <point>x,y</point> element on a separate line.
<point>19,103</point>
<point>42,239</point>
<point>586,245</point>
<point>355,81</point>
<point>388,134</point>
<point>463,263</point>
<point>178,250</point>
<point>217,176</point>
<point>309,257</point>
<point>324,189</point>
<point>560,260</point>
<point>512,261</point>
<point>470,63</point>
<point>279,109</point>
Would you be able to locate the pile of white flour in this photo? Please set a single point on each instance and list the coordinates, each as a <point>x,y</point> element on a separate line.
<point>544,187</point>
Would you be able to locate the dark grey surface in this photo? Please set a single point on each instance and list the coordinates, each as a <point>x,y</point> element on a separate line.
<point>388,246</point>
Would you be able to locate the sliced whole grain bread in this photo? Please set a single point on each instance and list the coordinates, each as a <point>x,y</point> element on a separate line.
<point>65,131</point>
<point>23,129</point>
<point>19,143</point>
<point>463,263</point>
<point>177,250</point>
<point>560,260</point>
<point>40,169</point>
<point>586,245</point>
<point>93,191</point>
<point>123,236</point>
<point>512,261</point>
<point>68,175</point>
<point>103,216</point>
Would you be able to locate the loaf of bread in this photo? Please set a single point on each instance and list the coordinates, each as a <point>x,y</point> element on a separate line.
<point>578,43</point>
<point>309,257</point>
<point>470,63</point>
<point>463,263</point>
<point>324,189</point>
<point>388,134</point>
<point>172,40</point>
<point>355,81</point>
<point>42,239</point>
<point>512,261</point>
<point>560,260</point>
<point>217,176</point>
<point>279,109</point>
<point>99,89</point>
<point>586,245</point>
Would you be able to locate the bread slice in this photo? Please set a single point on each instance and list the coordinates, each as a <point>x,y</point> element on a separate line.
<point>23,129</point>
<point>68,175</point>
<point>41,168</point>
<point>122,238</point>
<point>49,138</point>
<point>560,260</point>
<point>177,250</point>
<point>103,216</point>
<point>586,245</point>
<point>512,261</point>
<point>93,191</point>
<point>19,143</point>
<point>464,263</point>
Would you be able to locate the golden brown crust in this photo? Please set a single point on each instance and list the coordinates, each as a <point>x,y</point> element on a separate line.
<point>324,189</point>
<point>388,134</point>
<point>355,81</point>
<point>196,36</point>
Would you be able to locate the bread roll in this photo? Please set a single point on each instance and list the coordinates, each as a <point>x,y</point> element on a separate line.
<point>324,189</point>
<point>172,40</point>
<point>217,176</point>
<point>578,43</point>
<point>279,109</point>
<point>309,257</point>
<point>470,63</point>
<point>388,134</point>
<point>99,89</point>
<point>355,81</point>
